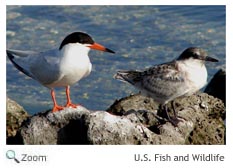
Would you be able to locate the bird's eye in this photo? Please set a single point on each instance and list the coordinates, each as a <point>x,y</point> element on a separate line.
<point>195,55</point>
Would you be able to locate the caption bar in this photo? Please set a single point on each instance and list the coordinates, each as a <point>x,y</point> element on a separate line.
<point>187,157</point>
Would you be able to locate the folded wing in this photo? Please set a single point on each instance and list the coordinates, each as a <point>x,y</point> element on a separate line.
<point>162,82</point>
<point>42,67</point>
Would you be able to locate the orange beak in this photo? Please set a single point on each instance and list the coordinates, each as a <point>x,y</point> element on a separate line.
<point>97,46</point>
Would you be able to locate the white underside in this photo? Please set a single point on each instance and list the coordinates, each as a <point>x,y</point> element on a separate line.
<point>73,66</point>
<point>196,75</point>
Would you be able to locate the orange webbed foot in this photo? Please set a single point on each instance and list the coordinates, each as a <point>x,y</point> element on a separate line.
<point>72,105</point>
<point>57,108</point>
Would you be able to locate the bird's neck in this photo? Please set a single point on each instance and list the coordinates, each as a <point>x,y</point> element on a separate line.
<point>195,71</point>
<point>74,52</point>
<point>195,63</point>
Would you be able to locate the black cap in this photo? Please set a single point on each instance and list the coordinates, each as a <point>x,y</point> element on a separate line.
<point>77,37</point>
<point>196,53</point>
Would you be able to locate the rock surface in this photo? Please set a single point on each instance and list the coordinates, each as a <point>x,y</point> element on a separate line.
<point>203,118</point>
<point>132,120</point>
<point>15,115</point>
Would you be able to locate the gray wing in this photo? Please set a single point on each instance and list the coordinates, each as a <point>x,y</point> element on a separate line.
<point>164,81</point>
<point>41,66</point>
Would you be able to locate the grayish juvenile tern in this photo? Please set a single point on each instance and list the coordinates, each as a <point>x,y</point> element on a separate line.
<point>166,82</point>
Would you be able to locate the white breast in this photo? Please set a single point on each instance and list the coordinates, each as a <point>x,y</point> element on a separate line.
<point>74,64</point>
<point>196,75</point>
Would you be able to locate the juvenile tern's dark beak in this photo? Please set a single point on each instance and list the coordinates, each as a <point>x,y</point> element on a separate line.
<point>207,58</point>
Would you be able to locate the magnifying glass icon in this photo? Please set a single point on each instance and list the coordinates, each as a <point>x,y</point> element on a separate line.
<point>10,154</point>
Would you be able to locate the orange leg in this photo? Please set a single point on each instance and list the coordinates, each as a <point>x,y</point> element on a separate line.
<point>69,103</point>
<point>55,105</point>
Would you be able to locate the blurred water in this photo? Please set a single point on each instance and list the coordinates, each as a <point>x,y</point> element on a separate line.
<point>142,36</point>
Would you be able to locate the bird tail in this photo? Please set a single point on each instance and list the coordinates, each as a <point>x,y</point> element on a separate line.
<point>131,77</point>
<point>10,55</point>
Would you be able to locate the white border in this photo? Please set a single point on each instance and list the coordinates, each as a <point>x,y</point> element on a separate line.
<point>229,70</point>
<point>115,156</point>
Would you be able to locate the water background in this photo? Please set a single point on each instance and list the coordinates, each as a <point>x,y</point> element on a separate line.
<point>141,36</point>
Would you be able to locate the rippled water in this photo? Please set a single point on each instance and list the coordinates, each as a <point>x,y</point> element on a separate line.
<point>142,36</point>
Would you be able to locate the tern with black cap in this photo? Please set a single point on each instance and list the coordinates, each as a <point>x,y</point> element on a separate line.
<point>60,68</point>
<point>181,77</point>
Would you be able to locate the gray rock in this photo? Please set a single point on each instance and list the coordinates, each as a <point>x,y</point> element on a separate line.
<point>15,116</point>
<point>203,118</point>
<point>132,120</point>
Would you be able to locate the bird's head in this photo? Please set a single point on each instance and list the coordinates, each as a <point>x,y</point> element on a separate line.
<point>84,39</point>
<point>194,53</point>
